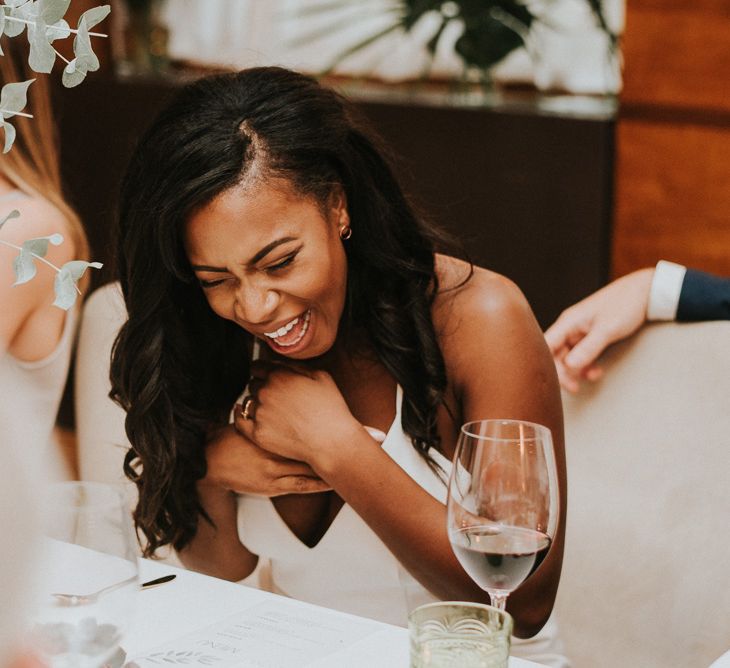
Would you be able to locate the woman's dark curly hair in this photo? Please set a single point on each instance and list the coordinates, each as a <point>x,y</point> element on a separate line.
<point>177,368</point>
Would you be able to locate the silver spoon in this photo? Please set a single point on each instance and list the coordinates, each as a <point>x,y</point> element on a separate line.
<point>86,599</point>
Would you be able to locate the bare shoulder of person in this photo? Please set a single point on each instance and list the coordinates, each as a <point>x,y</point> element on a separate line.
<point>470,296</point>
<point>478,315</point>
<point>38,218</point>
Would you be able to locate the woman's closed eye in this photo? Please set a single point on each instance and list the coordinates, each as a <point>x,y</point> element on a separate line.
<point>210,284</point>
<point>271,269</point>
<point>278,266</point>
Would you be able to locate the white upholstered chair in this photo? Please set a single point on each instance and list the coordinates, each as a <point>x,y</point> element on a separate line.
<point>101,439</point>
<point>646,578</point>
<point>102,442</point>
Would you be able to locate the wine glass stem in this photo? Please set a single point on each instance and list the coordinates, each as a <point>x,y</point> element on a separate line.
<point>499,601</point>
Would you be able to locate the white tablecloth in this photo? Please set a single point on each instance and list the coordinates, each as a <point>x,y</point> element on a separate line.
<point>193,601</point>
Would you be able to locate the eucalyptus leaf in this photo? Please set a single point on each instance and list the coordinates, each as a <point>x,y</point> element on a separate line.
<point>59,30</point>
<point>52,11</point>
<point>13,97</point>
<point>65,284</point>
<point>2,28</point>
<point>42,55</point>
<point>77,268</point>
<point>85,60</point>
<point>12,28</point>
<point>71,76</point>
<point>85,56</point>
<point>15,3</point>
<point>65,289</point>
<point>13,214</point>
<point>9,136</point>
<point>96,15</point>
<point>39,245</point>
<point>27,11</point>
<point>24,267</point>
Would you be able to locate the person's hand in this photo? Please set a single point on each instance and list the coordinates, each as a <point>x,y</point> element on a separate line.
<point>297,413</point>
<point>586,329</point>
<point>237,464</point>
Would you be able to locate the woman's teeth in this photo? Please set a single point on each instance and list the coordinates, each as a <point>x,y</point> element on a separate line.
<point>280,334</point>
<point>284,329</point>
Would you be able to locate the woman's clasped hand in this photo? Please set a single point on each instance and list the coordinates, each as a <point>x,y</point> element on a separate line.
<point>299,414</point>
<point>276,448</point>
<point>236,463</point>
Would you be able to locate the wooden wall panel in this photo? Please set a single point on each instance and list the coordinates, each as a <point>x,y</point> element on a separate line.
<point>672,196</point>
<point>672,182</point>
<point>678,55</point>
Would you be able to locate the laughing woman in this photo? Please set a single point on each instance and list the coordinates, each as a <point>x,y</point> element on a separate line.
<point>257,212</point>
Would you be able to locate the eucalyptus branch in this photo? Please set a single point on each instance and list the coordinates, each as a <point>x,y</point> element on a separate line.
<point>16,113</point>
<point>37,257</point>
<point>61,56</point>
<point>45,24</point>
<point>71,30</point>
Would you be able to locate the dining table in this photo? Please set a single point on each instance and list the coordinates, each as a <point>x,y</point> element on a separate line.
<point>195,614</point>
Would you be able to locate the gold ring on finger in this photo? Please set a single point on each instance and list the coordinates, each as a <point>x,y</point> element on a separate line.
<point>246,408</point>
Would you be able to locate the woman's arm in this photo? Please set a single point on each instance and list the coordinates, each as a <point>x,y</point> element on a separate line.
<point>215,550</point>
<point>503,369</point>
<point>497,357</point>
<point>235,465</point>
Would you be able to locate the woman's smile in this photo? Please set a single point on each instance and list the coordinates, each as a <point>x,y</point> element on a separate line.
<point>291,335</point>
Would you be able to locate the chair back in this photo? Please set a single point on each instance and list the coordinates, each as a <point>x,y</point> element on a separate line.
<point>646,577</point>
<point>102,441</point>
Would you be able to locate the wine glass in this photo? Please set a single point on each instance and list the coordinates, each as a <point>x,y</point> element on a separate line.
<point>87,585</point>
<point>503,503</point>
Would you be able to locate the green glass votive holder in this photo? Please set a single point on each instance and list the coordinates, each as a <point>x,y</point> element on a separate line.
<point>456,633</point>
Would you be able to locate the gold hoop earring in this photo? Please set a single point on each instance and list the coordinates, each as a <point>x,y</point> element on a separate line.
<point>345,232</point>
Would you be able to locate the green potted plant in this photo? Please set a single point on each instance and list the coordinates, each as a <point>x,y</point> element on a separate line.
<point>492,29</point>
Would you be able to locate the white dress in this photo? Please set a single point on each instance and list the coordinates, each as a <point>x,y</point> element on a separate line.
<point>31,393</point>
<point>350,568</point>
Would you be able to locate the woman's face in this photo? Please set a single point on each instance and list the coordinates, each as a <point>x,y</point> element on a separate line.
<point>270,260</point>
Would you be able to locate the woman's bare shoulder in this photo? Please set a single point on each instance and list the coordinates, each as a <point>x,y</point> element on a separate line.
<point>470,293</point>
<point>479,314</point>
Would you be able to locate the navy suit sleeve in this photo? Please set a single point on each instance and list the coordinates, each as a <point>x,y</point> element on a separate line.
<point>704,297</point>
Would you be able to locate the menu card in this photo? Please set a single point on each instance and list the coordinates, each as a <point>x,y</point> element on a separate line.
<point>279,634</point>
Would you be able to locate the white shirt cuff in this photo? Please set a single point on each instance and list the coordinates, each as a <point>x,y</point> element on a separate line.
<point>666,287</point>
